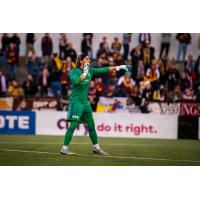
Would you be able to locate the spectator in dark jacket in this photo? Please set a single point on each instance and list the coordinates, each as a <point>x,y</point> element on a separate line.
<point>55,84</point>
<point>47,45</point>
<point>70,52</point>
<point>43,82</point>
<point>33,66</point>
<point>126,44</point>
<point>86,44</point>
<point>165,44</point>
<point>172,77</point>
<point>184,40</point>
<point>62,46</point>
<point>5,41</point>
<point>29,86</point>
<point>12,60</point>
<point>15,39</point>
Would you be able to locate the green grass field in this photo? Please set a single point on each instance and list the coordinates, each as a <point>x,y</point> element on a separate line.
<point>44,150</point>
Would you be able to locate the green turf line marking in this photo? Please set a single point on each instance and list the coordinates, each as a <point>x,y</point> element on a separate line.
<point>118,157</point>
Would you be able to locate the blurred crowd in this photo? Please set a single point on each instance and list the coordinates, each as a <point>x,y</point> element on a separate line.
<point>149,78</point>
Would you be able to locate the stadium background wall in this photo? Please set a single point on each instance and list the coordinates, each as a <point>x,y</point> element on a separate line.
<point>76,38</point>
<point>107,124</point>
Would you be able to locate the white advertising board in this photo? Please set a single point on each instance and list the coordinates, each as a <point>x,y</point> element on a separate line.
<point>112,125</point>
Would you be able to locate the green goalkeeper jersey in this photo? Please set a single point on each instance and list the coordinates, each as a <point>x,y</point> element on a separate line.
<point>80,87</point>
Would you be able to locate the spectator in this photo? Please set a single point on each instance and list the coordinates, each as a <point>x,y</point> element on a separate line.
<point>90,38</point>
<point>176,94</point>
<point>135,57</point>
<point>5,41</point>
<point>125,83</point>
<point>68,64</point>
<point>29,86</point>
<point>116,45</point>
<point>110,91</point>
<point>135,96</point>
<point>30,40</point>
<point>64,80</point>
<point>183,81</point>
<point>164,64</point>
<point>198,95</point>
<point>144,39</point>
<point>165,44</point>
<point>160,94</point>
<point>104,41</point>
<point>86,44</point>
<point>197,68</point>
<point>172,76</point>
<point>153,74</point>
<point>126,44</point>
<point>62,46</point>
<point>189,78</point>
<point>43,82</point>
<point>15,39</point>
<point>55,84</point>
<point>100,88</point>
<point>119,59</point>
<point>101,62</point>
<point>184,40</point>
<point>15,89</point>
<point>3,85</point>
<point>33,66</point>
<point>56,62</point>
<point>70,52</point>
<point>92,96</point>
<point>147,94</point>
<point>47,47</point>
<point>189,64</point>
<point>140,72</point>
<point>111,77</point>
<point>104,51</point>
<point>188,94</point>
<point>12,60</point>
<point>147,56</point>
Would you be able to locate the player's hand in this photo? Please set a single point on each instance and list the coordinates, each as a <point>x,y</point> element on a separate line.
<point>85,69</point>
<point>122,67</point>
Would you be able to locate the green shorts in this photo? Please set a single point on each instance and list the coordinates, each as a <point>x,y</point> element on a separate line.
<point>79,112</point>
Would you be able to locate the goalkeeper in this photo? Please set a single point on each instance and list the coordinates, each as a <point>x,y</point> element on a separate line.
<point>79,107</point>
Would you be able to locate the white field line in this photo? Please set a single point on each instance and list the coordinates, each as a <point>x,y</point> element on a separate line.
<point>119,157</point>
<point>79,143</point>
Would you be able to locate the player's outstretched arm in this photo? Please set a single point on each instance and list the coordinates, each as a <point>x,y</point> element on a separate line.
<point>108,69</point>
<point>118,68</point>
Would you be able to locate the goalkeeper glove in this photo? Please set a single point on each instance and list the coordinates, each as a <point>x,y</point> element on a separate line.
<point>86,69</point>
<point>124,67</point>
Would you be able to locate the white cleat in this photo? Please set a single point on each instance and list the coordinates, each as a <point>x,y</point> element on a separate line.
<point>67,152</point>
<point>100,152</point>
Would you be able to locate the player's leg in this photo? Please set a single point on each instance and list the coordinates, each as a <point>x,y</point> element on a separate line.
<point>88,118</point>
<point>74,114</point>
<point>68,138</point>
<point>69,133</point>
<point>94,138</point>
